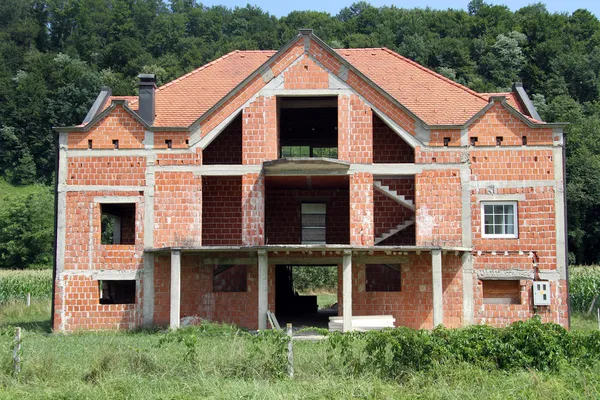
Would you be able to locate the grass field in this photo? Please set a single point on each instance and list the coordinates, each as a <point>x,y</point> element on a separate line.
<point>137,366</point>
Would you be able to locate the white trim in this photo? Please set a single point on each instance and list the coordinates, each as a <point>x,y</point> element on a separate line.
<point>514,235</point>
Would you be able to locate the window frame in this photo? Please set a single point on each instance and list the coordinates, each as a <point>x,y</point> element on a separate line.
<point>515,214</point>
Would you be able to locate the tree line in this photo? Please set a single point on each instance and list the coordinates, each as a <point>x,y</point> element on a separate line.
<point>56,54</point>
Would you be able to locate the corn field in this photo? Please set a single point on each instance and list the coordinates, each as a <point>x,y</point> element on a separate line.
<point>15,284</point>
<point>584,287</point>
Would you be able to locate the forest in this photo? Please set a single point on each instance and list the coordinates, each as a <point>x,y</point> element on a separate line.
<point>56,54</point>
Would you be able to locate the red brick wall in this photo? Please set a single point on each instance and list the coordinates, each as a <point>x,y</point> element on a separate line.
<point>253,210</point>
<point>355,130</point>
<point>388,147</point>
<point>108,171</point>
<point>118,125</point>
<point>194,158</point>
<point>198,298</point>
<point>305,74</point>
<point>227,147</point>
<point>259,133</point>
<point>284,217</point>
<point>177,209</point>
<point>438,202</point>
<point>222,212</point>
<point>178,140</point>
<point>511,166</point>
<point>498,121</point>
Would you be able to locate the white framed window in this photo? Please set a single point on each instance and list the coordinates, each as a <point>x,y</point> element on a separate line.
<point>499,219</point>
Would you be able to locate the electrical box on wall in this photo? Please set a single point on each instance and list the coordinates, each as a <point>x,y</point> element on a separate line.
<point>541,293</point>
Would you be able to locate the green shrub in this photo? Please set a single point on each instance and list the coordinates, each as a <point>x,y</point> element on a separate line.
<point>584,285</point>
<point>530,345</point>
<point>15,284</point>
<point>315,278</point>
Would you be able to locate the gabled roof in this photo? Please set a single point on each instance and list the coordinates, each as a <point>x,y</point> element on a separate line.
<point>432,98</point>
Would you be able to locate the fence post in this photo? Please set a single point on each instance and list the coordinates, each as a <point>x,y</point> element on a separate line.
<point>290,352</point>
<point>17,352</point>
<point>28,299</point>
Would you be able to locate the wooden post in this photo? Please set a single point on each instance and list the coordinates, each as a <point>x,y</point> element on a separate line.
<point>17,352</point>
<point>290,352</point>
<point>28,299</point>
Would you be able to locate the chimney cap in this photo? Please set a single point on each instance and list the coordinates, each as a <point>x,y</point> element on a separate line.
<point>147,77</point>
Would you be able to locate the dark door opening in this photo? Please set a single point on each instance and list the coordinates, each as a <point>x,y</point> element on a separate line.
<point>305,295</point>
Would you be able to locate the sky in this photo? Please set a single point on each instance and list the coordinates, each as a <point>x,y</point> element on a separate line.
<point>281,8</point>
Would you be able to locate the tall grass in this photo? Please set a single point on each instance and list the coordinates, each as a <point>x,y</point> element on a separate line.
<point>15,284</point>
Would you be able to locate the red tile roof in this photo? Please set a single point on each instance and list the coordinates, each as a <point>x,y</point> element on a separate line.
<point>430,96</point>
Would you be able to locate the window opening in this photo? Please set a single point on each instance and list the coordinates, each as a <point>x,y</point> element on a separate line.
<point>117,292</point>
<point>90,144</point>
<point>314,221</point>
<point>383,278</point>
<point>501,292</point>
<point>169,143</point>
<point>115,144</point>
<point>117,223</point>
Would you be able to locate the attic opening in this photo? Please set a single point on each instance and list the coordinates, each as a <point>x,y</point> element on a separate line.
<point>308,126</point>
<point>388,146</point>
<point>117,223</point>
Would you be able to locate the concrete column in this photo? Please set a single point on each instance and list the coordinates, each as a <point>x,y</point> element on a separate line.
<point>148,290</point>
<point>436,271</point>
<point>347,291</point>
<point>468,301</point>
<point>175,288</point>
<point>263,288</point>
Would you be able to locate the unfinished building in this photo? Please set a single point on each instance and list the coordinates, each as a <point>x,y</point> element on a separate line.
<point>437,204</point>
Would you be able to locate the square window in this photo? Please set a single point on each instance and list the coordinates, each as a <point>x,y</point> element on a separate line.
<point>383,278</point>
<point>117,292</point>
<point>230,278</point>
<point>499,219</point>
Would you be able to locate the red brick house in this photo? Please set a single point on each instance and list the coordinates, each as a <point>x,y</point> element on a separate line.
<point>437,204</point>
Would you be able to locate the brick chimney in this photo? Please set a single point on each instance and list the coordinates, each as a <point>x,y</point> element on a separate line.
<point>147,88</point>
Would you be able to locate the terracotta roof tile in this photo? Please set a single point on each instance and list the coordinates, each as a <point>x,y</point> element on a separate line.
<point>432,97</point>
<point>182,101</point>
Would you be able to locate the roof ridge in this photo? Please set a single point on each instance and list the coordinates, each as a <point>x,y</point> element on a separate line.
<point>429,71</point>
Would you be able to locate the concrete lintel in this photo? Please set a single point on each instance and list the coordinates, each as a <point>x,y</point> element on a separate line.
<point>381,259</point>
<point>175,306</point>
<point>550,275</point>
<point>263,289</point>
<point>116,199</point>
<point>110,275</point>
<point>501,197</point>
<point>99,188</point>
<point>510,184</point>
<point>438,293</point>
<point>504,274</point>
<point>347,291</point>
<point>214,170</point>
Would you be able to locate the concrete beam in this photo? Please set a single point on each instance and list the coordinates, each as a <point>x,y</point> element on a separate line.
<point>175,289</point>
<point>263,288</point>
<point>436,274</point>
<point>506,274</point>
<point>347,291</point>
